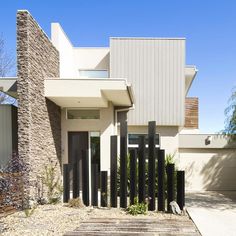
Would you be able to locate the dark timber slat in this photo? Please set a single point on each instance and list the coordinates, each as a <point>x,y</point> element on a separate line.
<point>76,180</point>
<point>141,169</point>
<point>85,177</point>
<point>170,170</point>
<point>113,181</point>
<point>123,164</point>
<point>104,188</point>
<point>181,189</point>
<point>161,173</point>
<point>133,175</point>
<point>94,170</point>
<point>151,164</point>
<point>66,182</point>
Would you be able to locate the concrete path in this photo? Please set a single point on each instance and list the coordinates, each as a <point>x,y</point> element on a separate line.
<point>214,213</point>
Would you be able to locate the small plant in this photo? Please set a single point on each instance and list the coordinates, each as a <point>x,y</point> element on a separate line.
<point>137,208</point>
<point>29,211</point>
<point>52,183</point>
<point>76,202</point>
<point>41,200</point>
<point>104,197</point>
<point>170,159</point>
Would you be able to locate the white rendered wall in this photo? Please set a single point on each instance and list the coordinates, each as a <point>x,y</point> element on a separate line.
<point>92,58</point>
<point>105,125</point>
<point>168,136</point>
<point>66,53</point>
<point>72,59</point>
<point>208,169</point>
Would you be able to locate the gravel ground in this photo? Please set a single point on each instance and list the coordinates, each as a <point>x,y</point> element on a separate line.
<point>59,219</point>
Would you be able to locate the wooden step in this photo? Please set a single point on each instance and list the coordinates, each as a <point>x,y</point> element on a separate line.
<point>136,226</point>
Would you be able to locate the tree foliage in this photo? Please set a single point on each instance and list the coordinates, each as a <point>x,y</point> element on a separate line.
<point>7,62</point>
<point>230,113</point>
<point>7,67</point>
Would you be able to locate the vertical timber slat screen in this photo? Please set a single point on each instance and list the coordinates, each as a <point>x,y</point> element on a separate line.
<point>161,174</point>
<point>137,154</point>
<point>151,164</point>
<point>104,188</point>
<point>141,170</point>
<point>113,176</point>
<point>123,164</point>
<point>133,176</point>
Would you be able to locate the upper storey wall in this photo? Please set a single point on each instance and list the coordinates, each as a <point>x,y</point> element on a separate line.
<point>156,69</point>
<point>65,49</point>
<point>92,58</point>
<point>73,59</point>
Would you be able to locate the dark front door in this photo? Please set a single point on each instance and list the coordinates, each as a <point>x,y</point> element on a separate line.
<point>77,142</point>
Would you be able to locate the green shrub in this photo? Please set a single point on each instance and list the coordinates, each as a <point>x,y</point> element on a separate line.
<point>137,208</point>
<point>52,183</point>
<point>169,159</point>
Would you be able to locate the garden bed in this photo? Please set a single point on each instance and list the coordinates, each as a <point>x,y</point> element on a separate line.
<point>59,219</point>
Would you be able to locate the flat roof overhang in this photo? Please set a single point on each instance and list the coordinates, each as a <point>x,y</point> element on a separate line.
<point>8,85</point>
<point>95,92</point>
<point>190,74</point>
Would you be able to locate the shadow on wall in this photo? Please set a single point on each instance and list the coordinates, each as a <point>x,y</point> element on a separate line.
<point>103,63</point>
<point>223,200</point>
<point>219,173</point>
<point>54,113</point>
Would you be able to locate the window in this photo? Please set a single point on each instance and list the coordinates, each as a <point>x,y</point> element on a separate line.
<point>93,73</point>
<point>83,114</point>
<point>134,140</point>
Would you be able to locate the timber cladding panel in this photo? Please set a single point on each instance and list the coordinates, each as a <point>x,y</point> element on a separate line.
<point>39,119</point>
<point>191,112</point>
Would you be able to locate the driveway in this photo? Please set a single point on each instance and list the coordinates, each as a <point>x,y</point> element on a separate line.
<point>214,213</point>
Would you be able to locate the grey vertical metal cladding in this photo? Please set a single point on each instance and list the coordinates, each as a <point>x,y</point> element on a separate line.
<point>6,134</point>
<point>155,67</point>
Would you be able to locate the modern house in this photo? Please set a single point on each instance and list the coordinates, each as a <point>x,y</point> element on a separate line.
<point>73,98</point>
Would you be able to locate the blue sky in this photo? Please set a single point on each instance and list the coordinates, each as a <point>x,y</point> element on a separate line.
<point>208,26</point>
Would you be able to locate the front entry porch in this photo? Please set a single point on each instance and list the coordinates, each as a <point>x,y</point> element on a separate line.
<point>89,105</point>
<point>89,142</point>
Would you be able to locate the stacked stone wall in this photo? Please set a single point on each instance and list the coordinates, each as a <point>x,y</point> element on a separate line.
<point>39,119</point>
